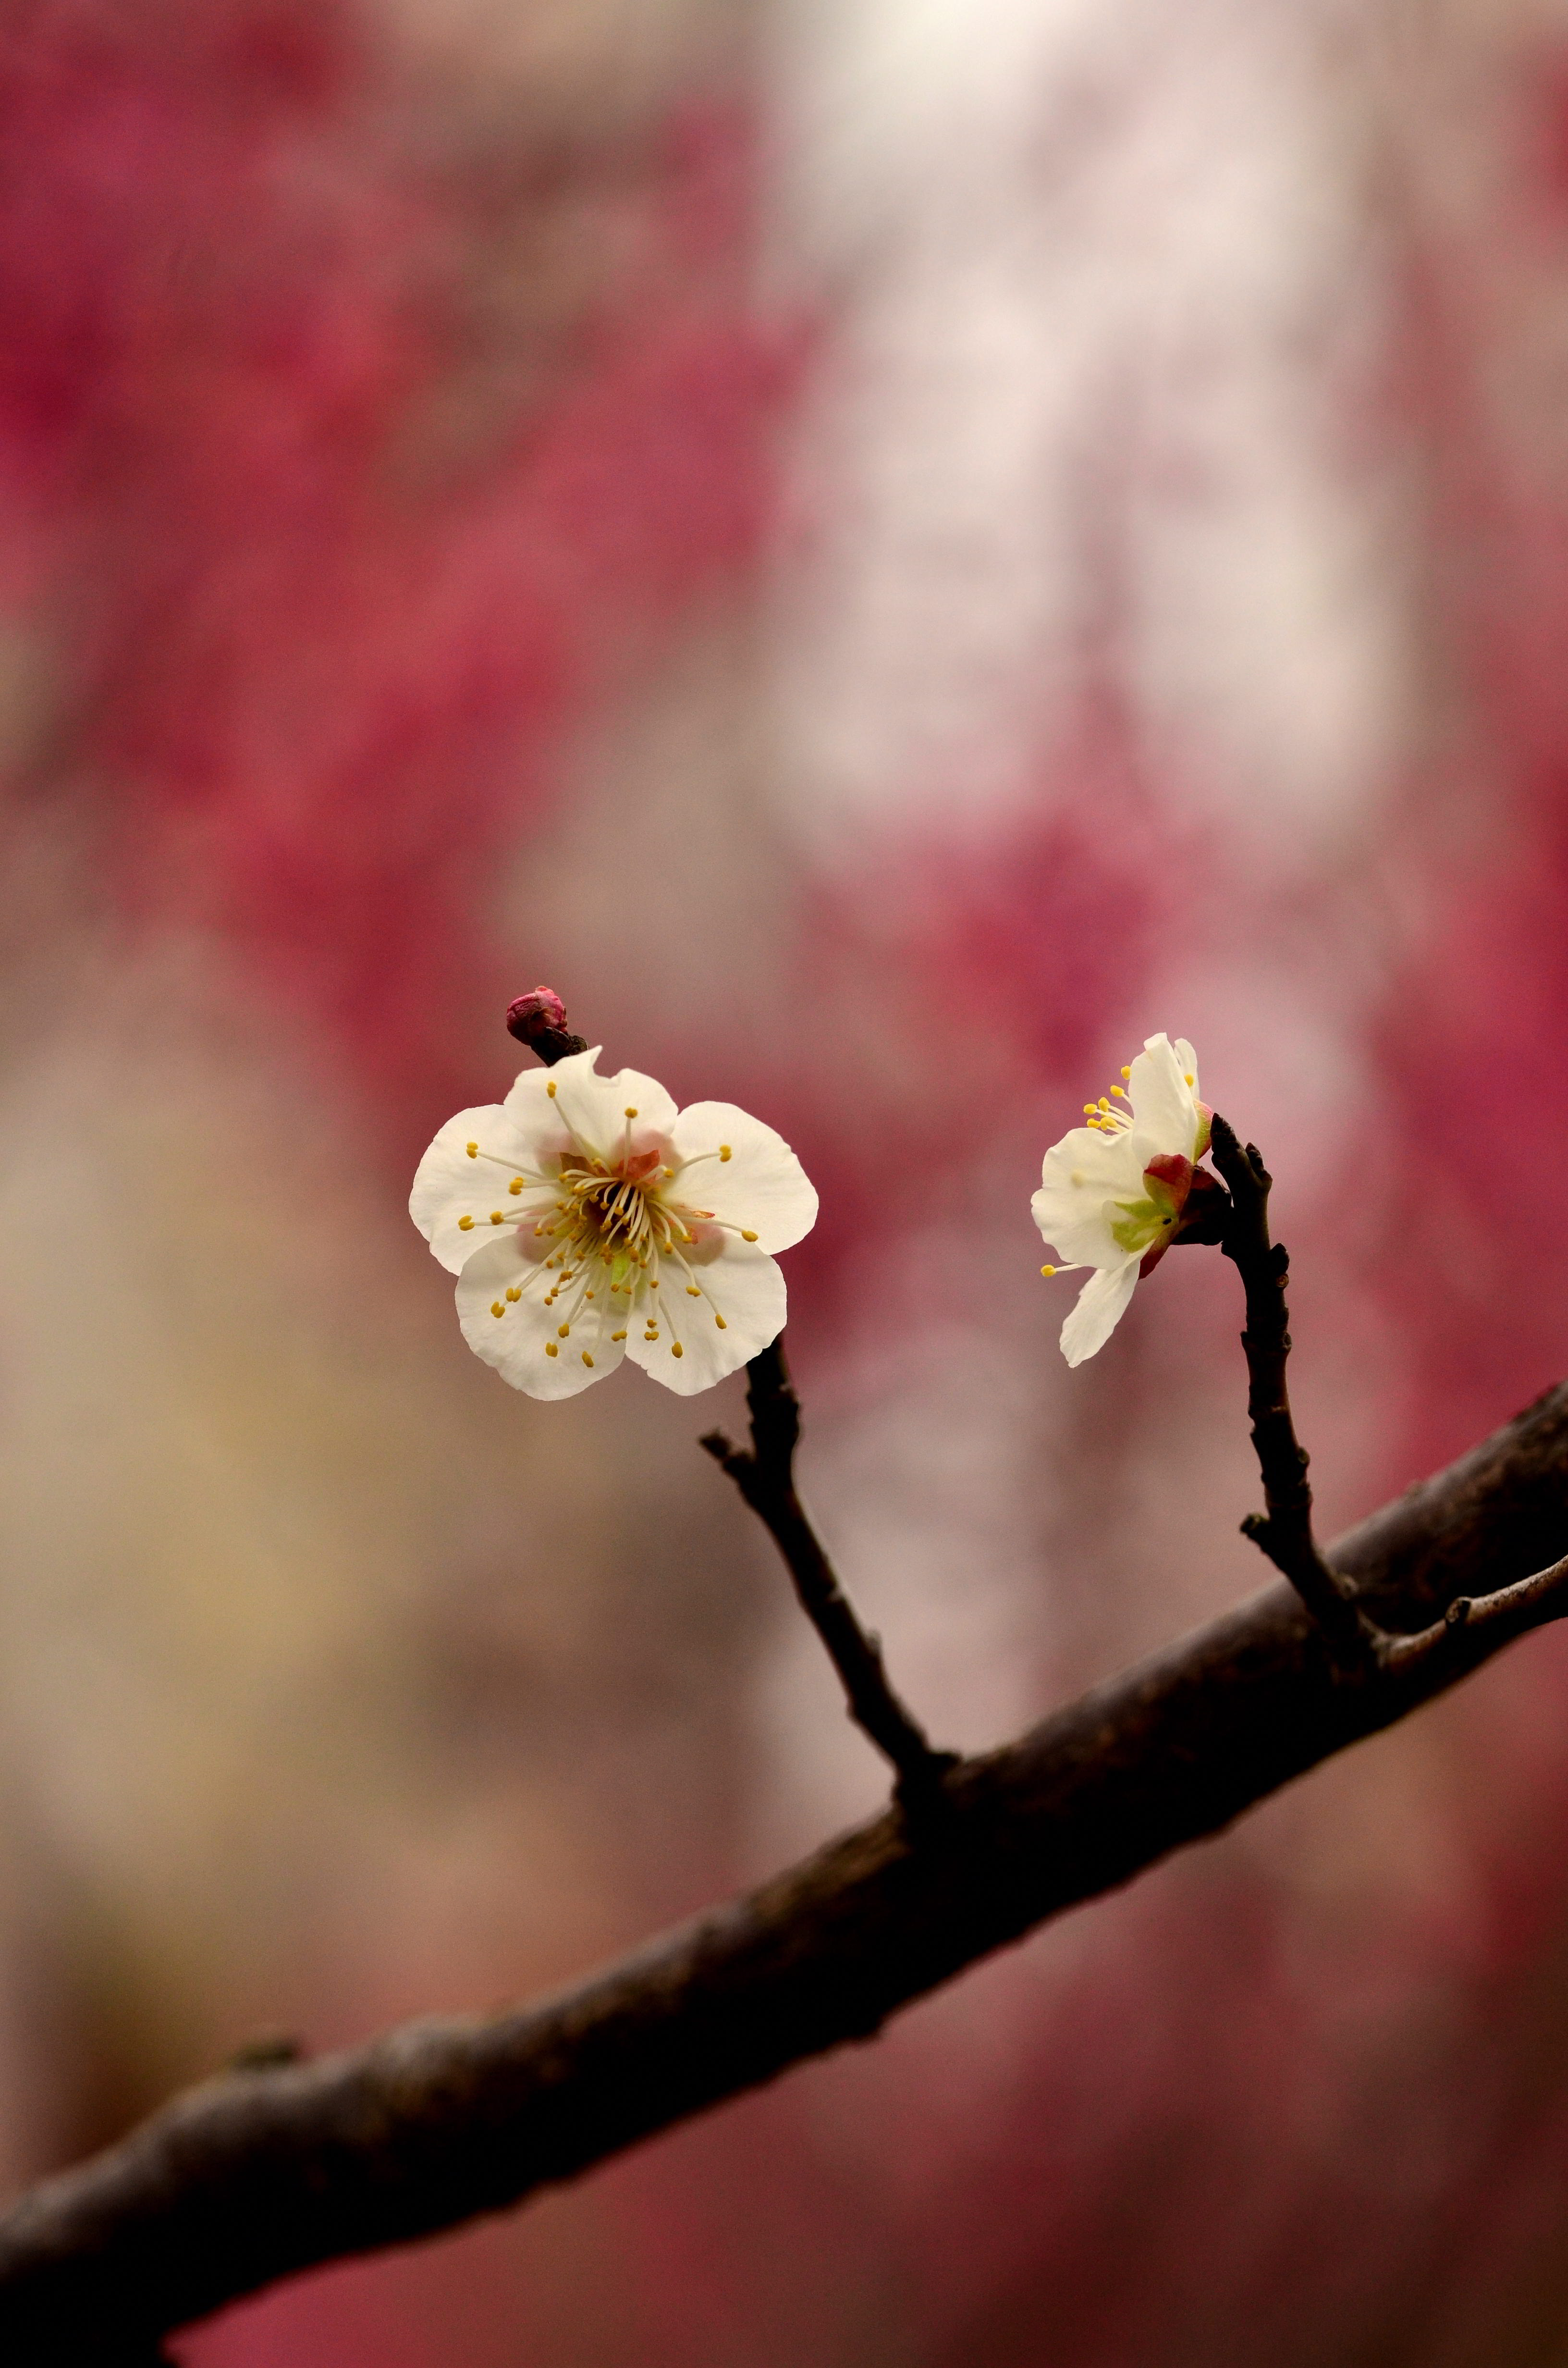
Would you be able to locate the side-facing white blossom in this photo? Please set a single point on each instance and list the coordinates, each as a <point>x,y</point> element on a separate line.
<point>587,1219</point>
<point>1112,1191</point>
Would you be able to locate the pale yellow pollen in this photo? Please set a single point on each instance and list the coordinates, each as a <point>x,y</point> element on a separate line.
<point>516,1186</point>
<point>513,1293</point>
<point>724,1151</point>
<point>675,1348</point>
<point>465,1224</point>
<point>561,1331</point>
<point>550,1090</point>
<point>551,1349</point>
<point>586,1359</point>
<point>745,1236</point>
<point>1047,1270</point>
<point>618,1336</point>
<point>472,1150</point>
<point>497,1307</point>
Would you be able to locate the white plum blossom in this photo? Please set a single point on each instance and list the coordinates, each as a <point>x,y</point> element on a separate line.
<point>587,1219</point>
<point>1113,1191</point>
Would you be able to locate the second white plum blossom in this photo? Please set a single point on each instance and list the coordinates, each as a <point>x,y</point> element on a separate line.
<point>1112,1191</point>
<point>587,1219</point>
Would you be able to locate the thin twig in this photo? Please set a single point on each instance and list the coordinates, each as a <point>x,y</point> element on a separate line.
<point>1284,1531</point>
<point>258,2174</point>
<point>765,1474</point>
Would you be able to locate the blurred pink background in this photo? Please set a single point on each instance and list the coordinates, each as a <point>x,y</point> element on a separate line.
<point>886,551</point>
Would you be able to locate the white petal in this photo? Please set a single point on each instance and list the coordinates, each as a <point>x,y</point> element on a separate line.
<point>1078,1176</point>
<point>595,1108</point>
<point>524,1342</point>
<point>451,1183</point>
<point>530,1108</point>
<point>742,1285</point>
<point>761,1186</point>
<point>1098,1311</point>
<point>1162,1103</point>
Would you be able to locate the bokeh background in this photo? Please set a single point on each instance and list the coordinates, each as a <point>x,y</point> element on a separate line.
<point>887,549</point>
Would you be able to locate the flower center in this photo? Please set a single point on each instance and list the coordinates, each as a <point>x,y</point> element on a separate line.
<point>1146,1227</point>
<point>614,1214</point>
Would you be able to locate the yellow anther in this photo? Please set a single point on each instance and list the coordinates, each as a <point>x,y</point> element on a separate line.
<point>550,1090</point>
<point>724,1151</point>
<point>551,1349</point>
<point>465,1224</point>
<point>513,1293</point>
<point>516,1186</point>
<point>1102,1103</point>
<point>1089,1108</point>
<point>587,1294</point>
<point>1047,1270</point>
<point>1189,1079</point>
<point>495,1216</point>
<point>720,1321</point>
<point>630,1110</point>
<point>675,1348</point>
<point>745,1236</point>
<point>653,1282</point>
<point>561,1331</point>
<point>1121,1092</point>
<point>586,1359</point>
<point>1126,1073</point>
<point>649,1336</point>
<point>474,1150</point>
<point>497,1307</point>
<point>692,1291</point>
<point>618,1336</point>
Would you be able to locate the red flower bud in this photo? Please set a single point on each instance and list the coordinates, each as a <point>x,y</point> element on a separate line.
<point>539,1020</point>
<point>530,1015</point>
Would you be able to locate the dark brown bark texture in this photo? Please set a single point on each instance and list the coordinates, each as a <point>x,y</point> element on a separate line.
<point>264,2171</point>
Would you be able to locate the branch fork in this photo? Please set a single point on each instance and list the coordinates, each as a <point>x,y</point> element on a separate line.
<point>1358,1645</point>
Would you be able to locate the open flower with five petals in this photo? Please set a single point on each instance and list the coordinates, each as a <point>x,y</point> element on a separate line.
<point>1113,1191</point>
<point>587,1219</point>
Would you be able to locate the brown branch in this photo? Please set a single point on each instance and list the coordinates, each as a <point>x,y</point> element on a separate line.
<point>265,2172</point>
<point>1284,1531</point>
<point>765,1474</point>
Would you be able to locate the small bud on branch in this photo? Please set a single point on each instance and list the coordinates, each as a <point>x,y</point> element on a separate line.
<point>539,1020</point>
